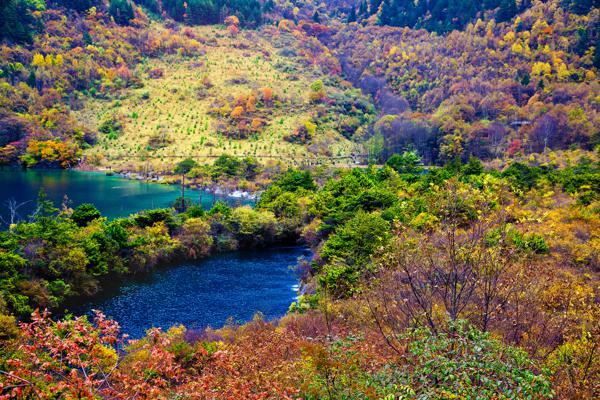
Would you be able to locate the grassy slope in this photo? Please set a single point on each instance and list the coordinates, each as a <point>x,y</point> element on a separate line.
<point>174,110</point>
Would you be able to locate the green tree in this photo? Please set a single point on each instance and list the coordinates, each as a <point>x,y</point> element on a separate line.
<point>348,251</point>
<point>227,165</point>
<point>408,162</point>
<point>352,14</point>
<point>16,21</point>
<point>473,167</point>
<point>183,168</point>
<point>508,9</point>
<point>316,17</point>
<point>84,214</point>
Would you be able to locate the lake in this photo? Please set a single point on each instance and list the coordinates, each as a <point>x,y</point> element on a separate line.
<point>196,294</point>
<point>205,293</point>
<point>112,195</point>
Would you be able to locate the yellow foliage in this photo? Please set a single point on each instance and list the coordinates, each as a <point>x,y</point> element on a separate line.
<point>8,327</point>
<point>107,357</point>
<point>38,60</point>
<point>232,20</point>
<point>251,104</point>
<point>562,71</point>
<point>516,48</point>
<point>590,75</point>
<point>256,124</point>
<point>286,25</point>
<point>541,69</point>
<point>509,37</point>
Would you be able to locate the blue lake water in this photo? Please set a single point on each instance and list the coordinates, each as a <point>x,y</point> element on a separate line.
<point>114,196</point>
<point>205,293</point>
<point>197,294</point>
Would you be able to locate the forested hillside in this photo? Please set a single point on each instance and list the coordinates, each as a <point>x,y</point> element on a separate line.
<point>441,160</point>
<point>491,90</point>
<point>495,89</point>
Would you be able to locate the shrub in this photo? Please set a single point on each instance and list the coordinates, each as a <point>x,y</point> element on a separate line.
<point>84,214</point>
<point>408,162</point>
<point>195,238</point>
<point>440,366</point>
<point>253,228</point>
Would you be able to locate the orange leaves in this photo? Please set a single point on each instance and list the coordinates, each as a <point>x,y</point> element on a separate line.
<point>267,94</point>
<point>251,104</point>
<point>78,359</point>
<point>232,20</point>
<point>60,357</point>
<point>286,25</point>
<point>233,25</point>
<point>256,124</point>
<point>8,154</point>
<point>233,30</point>
<point>237,112</point>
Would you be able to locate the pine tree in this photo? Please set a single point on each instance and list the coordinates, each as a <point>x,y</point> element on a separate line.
<point>121,11</point>
<point>508,9</point>
<point>581,7</point>
<point>79,5</point>
<point>597,53</point>
<point>352,15</point>
<point>87,38</point>
<point>201,12</point>
<point>363,10</point>
<point>316,17</point>
<point>31,79</point>
<point>374,6</point>
<point>15,21</point>
<point>269,5</point>
<point>385,18</point>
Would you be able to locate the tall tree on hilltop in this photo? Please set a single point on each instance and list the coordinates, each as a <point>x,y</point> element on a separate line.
<point>352,14</point>
<point>121,11</point>
<point>508,9</point>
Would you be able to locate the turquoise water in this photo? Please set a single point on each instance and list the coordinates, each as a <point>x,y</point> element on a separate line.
<point>114,196</point>
<point>196,294</point>
<point>205,293</point>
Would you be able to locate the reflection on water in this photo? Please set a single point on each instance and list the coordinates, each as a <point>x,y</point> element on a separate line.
<point>114,196</point>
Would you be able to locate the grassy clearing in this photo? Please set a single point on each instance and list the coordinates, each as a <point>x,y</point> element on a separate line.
<point>168,118</point>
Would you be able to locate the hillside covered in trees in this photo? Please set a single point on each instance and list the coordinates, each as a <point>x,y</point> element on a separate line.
<point>79,76</point>
<point>441,160</point>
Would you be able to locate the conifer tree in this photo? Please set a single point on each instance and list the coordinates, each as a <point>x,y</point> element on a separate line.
<point>121,11</point>
<point>316,17</point>
<point>508,9</point>
<point>352,14</point>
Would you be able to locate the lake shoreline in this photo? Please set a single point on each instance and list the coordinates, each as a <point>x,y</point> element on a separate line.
<point>166,179</point>
<point>115,195</point>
